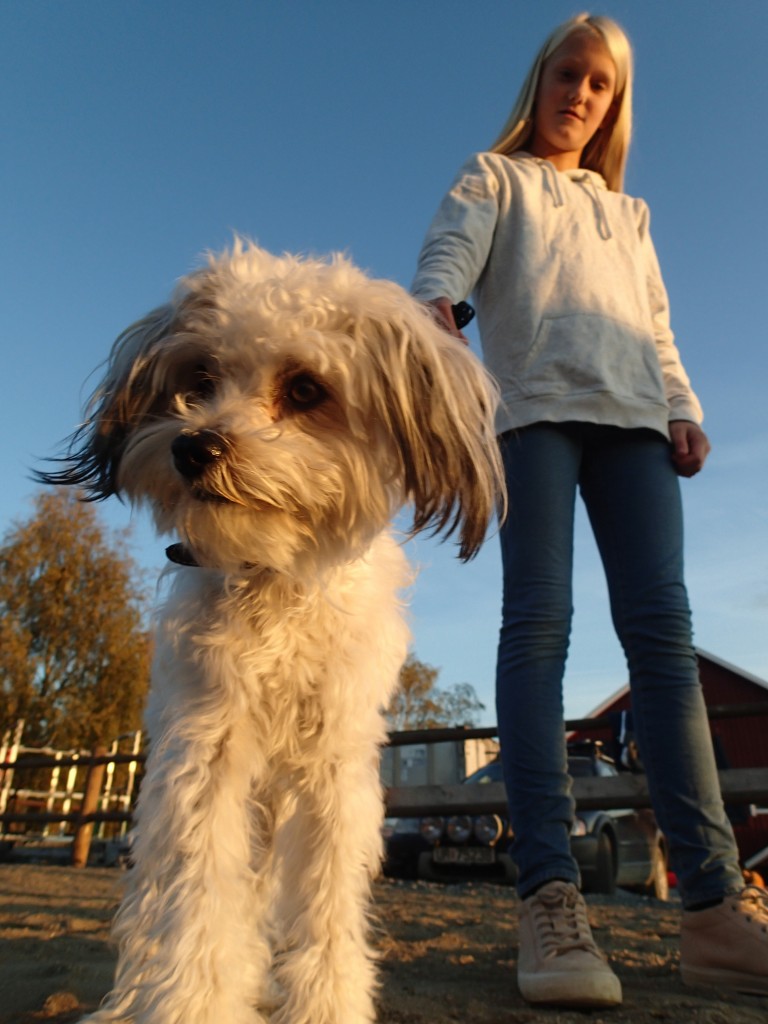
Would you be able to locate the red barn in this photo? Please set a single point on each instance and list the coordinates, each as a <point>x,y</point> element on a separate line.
<point>740,741</point>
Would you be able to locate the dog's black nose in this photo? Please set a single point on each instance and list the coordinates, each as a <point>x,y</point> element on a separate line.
<point>193,453</point>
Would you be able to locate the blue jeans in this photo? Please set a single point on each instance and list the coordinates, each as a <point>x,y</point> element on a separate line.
<point>632,496</point>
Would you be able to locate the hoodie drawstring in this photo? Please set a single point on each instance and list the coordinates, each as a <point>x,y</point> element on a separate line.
<point>603,227</point>
<point>551,183</point>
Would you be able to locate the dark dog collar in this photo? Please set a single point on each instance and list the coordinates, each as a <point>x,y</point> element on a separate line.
<point>181,555</point>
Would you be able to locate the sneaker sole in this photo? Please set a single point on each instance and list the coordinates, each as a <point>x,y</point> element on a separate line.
<point>577,990</point>
<point>713,977</point>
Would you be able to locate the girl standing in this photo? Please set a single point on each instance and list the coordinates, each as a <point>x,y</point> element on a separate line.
<point>574,324</point>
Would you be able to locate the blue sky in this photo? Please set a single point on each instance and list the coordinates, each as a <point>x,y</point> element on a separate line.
<point>139,134</point>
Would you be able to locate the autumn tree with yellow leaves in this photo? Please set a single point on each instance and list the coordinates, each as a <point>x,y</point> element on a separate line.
<point>418,702</point>
<point>74,649</point>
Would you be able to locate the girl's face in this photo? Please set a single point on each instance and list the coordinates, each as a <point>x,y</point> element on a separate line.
<point>573,99</point>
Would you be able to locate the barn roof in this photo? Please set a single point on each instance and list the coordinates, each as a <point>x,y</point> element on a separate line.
<point>604,706</point>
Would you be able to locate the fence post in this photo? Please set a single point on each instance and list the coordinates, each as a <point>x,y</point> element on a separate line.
<point>81,844</point>
<point>10,754</point>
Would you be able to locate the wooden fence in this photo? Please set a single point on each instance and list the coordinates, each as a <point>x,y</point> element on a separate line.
<point>68,794</point>
<point>739,785</point>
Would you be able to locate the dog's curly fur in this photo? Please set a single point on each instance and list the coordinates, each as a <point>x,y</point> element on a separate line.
<point>275,415</point>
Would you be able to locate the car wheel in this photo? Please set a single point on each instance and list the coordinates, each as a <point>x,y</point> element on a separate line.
<point>605,866</point>
<point>658,885</point>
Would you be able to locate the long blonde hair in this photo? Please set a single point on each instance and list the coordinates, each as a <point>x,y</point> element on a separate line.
<point>607,150</point>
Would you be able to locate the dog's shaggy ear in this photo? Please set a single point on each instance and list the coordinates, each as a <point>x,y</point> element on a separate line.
<point>439,403</point>
<point>126,394</point>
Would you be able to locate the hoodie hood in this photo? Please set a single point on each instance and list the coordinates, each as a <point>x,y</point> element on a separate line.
<point>592,182</point>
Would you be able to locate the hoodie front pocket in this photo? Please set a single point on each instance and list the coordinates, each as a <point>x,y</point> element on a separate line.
<point>573,354</point>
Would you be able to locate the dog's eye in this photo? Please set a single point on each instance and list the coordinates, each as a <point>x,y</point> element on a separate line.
<point>203,383</point>
<point>304,392</point>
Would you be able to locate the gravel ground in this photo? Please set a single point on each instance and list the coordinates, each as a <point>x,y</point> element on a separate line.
<point>447,954</point>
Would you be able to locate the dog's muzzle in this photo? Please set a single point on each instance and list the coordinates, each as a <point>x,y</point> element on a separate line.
<point>194,453</point>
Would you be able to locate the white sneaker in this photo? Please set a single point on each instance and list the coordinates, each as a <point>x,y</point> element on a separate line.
<point>559,963</point>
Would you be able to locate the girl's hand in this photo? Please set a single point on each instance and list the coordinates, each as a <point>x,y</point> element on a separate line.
<point>444,316</point>
<point>690,446</point>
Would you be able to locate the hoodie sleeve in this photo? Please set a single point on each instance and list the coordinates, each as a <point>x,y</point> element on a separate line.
<point>459,238</point>
<point>683,403</point>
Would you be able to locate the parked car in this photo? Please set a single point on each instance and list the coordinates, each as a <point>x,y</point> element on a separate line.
<point>612,848</point>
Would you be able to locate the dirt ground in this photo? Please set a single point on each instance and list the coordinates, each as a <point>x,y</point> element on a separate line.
<point>448,954</point>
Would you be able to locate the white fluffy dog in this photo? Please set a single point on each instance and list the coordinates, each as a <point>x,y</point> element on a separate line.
<point>274,416</point>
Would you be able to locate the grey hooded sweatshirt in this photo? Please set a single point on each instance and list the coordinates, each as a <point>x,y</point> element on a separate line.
<point>571,307</point>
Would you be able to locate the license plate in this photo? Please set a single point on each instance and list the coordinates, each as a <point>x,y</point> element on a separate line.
<point>464,855</point>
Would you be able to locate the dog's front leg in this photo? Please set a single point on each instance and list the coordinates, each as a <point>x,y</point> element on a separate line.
<point>328,852</point>
<point>192,945</point>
